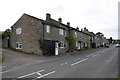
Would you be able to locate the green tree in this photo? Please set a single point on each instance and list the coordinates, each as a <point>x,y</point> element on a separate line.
<point>6,34</point>
<point>100,34</point>
<point>110,40</point>
<point>72,41</point>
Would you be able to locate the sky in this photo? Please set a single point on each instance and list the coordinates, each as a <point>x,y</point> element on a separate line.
<point>95,15</point>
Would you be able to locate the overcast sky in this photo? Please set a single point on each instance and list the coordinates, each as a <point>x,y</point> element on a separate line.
<point>96,15</point>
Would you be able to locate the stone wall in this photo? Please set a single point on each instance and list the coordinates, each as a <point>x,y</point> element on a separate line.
<point>31,31</point>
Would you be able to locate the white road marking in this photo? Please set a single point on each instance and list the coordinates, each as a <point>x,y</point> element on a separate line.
<point>95,55</point>
<point>90,55</point>
<point>101,52</point>
<point>39,74</point>
<point>31,74</point>
<point>6,71</point>
<point>64,63</point>
<point>46,74</point>
<point>79,62</point>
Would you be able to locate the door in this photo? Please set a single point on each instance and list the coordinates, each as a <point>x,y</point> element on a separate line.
<point>49,47</point>
<point>56,48</point>
<point>78,45</point>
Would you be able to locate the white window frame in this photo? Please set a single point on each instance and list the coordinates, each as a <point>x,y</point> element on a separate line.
<point>48,28</point>
<point>18,45</point>
<point>76,43</point>
<point>18,31</point>
<point>61,31</point>
<point>61,44</point>
<point>75,34</point>
<point>65,33</point>
<point>86,45</point>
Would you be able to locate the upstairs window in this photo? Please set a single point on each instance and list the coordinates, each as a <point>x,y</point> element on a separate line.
<point>61,31</point>
<point>65,34</point>
<point>75,34</point>
<point>18,30</point>
<point>48,29</point>
<point>18,45</point>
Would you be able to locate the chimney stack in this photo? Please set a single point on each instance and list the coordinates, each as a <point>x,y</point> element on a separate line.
<point>60,20</point>
<point>68,23</point>
<point>81,30</point>
<point>48,16</point>
<point>77,28</point>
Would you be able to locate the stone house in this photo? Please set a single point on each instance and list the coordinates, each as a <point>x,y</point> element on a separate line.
<point>82,39</point>
<point>25,34</point>
<point>105,41</point>
<point>28,31</point>
<point>91,37</point>
<point>54,35</point>
<point>98,41</point>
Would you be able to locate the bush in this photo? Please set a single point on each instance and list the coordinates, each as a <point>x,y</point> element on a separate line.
<point>72,41</point>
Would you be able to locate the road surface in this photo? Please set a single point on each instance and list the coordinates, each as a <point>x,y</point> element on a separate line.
<point>94,63</point>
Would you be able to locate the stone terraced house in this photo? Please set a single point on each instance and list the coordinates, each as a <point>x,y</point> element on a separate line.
<point>98,41</point>
<point>48,37</point>
<point>82,39</point>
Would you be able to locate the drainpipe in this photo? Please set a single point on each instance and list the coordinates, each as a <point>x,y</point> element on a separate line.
<point>43,40</point>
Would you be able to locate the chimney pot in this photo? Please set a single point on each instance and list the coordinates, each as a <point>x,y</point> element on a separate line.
<point>68,23</point>
<point>60,20</point>
<point>48,16</point>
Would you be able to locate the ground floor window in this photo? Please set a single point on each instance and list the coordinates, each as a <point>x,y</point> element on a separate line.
<point>85,45</point>
<point>18,45</point>
<point>82,45</point>
<point>76,44</point>
<point>61,44</point>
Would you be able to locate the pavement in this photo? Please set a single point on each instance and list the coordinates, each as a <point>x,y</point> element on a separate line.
<point>94,63</point>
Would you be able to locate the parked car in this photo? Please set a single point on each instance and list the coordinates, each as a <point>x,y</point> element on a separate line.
<point>107,45</point>
<point>117,45</point>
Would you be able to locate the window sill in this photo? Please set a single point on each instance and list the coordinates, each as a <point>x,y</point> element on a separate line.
<point>18,48</point>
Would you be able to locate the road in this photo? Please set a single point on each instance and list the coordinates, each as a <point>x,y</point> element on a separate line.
<point>94,63</point>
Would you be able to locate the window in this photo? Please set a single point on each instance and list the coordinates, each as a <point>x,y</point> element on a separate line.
<point>61,44</point>
<point>86,45</point>
<point>18,30</point>
<point>18,45</point>
<point>65,34</point>
<point>61,31</point>
<point>75,34</point>
<point>76,44</point>
<point>48,29</point>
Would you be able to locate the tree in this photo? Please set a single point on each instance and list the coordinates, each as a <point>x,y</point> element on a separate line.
<point>72,41</point>
<point>110,40</point>
<point>6,34</point>
<point>100,34</point>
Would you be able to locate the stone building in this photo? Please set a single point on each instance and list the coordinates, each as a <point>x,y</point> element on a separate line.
<point>25,34</point>
<point>98,41</point>
<point>91,37</point>
<point>54,35</point>
<point>38,36</point>
<point>28,33</point>
<point>105,41</point>
<point>82,39</point>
